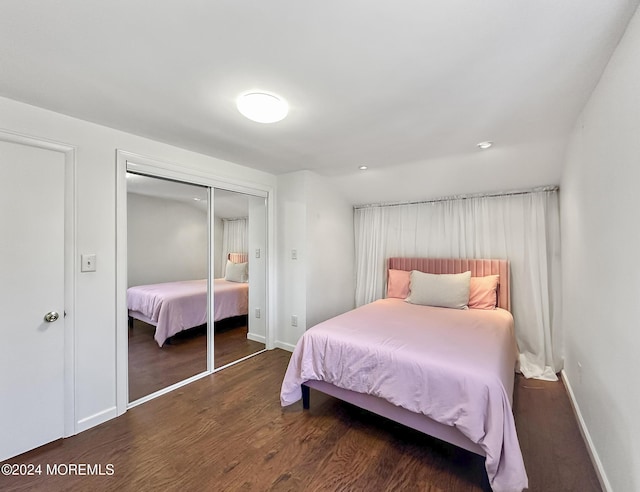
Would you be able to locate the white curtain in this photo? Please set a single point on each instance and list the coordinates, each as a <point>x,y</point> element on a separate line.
<point>234,238</point>
<point>522,227</point>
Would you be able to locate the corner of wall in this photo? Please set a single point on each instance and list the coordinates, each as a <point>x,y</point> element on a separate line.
<point>584,431</point>
<point>598,206</point>
<point>291,224</point>
<point>331,251</point>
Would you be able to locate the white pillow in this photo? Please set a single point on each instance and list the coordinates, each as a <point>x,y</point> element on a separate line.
<point>450,290</point>
<point>236,272</point>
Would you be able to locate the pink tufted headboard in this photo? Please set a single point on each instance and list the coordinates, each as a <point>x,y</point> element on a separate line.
<point>478,268</point>
<point>238,257</point>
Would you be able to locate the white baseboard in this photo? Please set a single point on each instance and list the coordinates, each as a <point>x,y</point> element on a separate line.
<point>96,419</point>
<point>593,454</point>
<point>257,338</point>
<point>285,346</point>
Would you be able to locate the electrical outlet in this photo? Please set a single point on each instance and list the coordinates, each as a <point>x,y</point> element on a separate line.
<point>257,312</point>
<point>258,253</point>
<point>294,254</point>
<point>88,263</point>
<point>294,320</point>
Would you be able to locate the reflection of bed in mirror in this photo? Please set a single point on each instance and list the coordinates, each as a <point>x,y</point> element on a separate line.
<point>173,307</point>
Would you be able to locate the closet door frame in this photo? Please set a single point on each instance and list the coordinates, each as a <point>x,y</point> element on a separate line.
<point>128,161</point>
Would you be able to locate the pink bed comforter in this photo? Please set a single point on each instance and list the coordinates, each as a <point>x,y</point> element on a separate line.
<point>455,366</point>
<point>176,306</point>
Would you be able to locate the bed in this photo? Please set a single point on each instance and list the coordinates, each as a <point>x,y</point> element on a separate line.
<point>176,306</point>
<point>446,372</point>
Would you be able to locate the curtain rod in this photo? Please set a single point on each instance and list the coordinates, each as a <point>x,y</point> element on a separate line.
<point>231,219</point>
<point>462,197</point>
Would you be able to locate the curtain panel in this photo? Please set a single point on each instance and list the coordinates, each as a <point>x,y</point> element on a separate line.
<point>234,238</point>
<point>521,227</point>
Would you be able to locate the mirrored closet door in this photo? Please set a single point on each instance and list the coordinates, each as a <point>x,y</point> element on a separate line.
<point>167,295</point>
<point>196,281</point>
<point>239,285</point>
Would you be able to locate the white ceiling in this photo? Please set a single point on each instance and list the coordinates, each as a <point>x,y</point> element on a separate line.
<point>381,83</point>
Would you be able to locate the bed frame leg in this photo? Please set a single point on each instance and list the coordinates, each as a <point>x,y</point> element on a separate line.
<point>305,396</point>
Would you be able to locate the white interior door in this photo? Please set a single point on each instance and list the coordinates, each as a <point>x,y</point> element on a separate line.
<point>31,286</point>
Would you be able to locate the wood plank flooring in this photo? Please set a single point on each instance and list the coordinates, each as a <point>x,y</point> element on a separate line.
<point>152,368</point>
<point>227,432</point>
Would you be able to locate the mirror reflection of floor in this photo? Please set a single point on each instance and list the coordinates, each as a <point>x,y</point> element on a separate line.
<point>152,368</point>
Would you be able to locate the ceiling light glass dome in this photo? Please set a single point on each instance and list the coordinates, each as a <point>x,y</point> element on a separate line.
<point>262,107</point>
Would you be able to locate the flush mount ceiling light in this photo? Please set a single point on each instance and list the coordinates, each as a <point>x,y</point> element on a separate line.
<point>485,145</point>
<point>363,168</point>
<point>262,107</point>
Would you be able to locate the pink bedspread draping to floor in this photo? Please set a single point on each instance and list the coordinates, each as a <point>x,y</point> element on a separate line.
<point>454,366</point>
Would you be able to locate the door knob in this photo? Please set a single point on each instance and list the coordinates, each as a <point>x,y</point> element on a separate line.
<point>51,316</point>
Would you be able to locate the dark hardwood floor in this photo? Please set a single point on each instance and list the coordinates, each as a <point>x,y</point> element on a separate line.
<point>554,452</point>
<point>152,368</point>
<point>227,432</point>
<point>231,342</point>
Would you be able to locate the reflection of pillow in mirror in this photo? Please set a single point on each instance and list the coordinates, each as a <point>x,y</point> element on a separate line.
<point>236,272</point>
<point>450,290</point>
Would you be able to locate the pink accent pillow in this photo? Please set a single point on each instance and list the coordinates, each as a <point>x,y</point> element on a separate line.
<point>398,283</point>
<point>482,292</point>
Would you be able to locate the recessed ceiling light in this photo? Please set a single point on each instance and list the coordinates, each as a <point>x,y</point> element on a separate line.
<point>485,145</point>
<point>262,107</point>
<point>363,168</point>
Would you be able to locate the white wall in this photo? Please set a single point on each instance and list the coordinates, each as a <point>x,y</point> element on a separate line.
<point>601,242</point>
<point>167,240</point>
<point>291,226</point>
<point>317,222</point>
<point>330,251</point>
<point>218,230</point>
<point>95,316</point>
<point>257,240</point>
